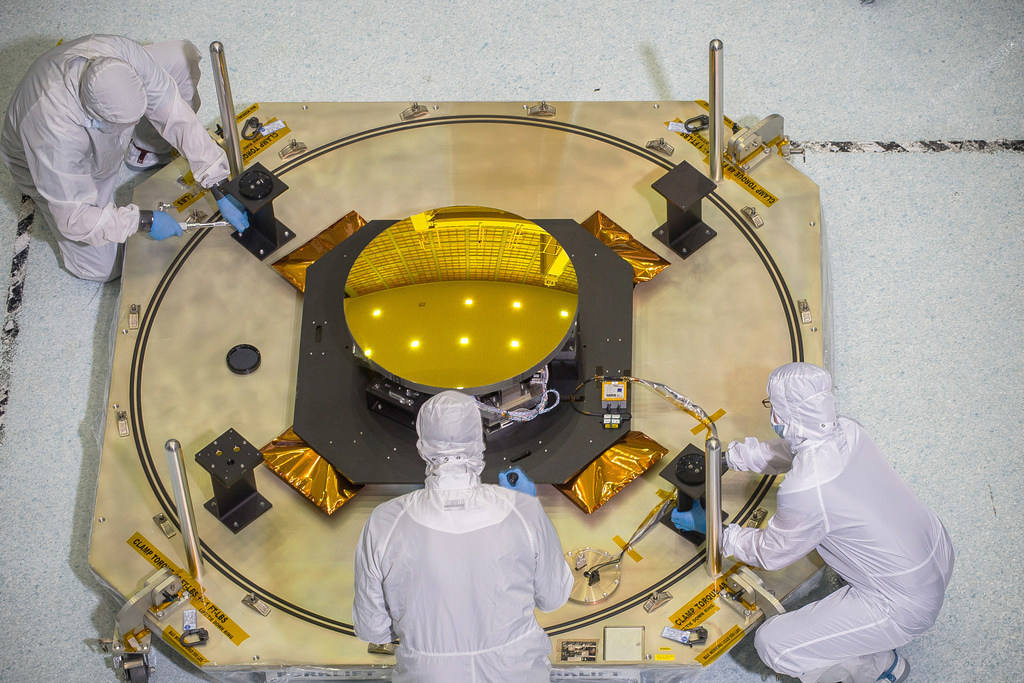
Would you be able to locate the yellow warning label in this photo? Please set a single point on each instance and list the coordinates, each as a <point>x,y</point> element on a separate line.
<point>720,646</point>
<point>632,553</point>
<point>247,112</point>
<point>665,658</point>
<point>746,182</point>
<point>174,638</point>
<point>714,417</point>
<point>725,119</point>
<point>700,608</point>
<point>250,148</point>
<point>186,200</point>
<point>218,619</point>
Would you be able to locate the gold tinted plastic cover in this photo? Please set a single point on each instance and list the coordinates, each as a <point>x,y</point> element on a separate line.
<point>646,264</point>
<point>293,266</point>
<point>297,463</point>
<point>598,482</point>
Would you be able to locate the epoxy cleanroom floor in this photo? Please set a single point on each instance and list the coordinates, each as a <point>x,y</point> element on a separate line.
<point>926,250</point>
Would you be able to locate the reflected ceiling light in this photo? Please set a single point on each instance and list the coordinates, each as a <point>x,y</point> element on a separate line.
<point>377,312</point>
<point>469,302</point>
<point>464,340</point>
<point>368,353</point>
<point>565,314</point>
<point>515,344</point>
<point>516,304</point>
<point>415,343</point>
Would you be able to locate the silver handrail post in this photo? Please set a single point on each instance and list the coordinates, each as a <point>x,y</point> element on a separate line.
<point>713,497</point>
<point>716,121</point>
<point>183,499</point>
<point>227,107</point>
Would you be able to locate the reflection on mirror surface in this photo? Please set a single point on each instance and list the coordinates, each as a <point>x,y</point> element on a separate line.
<point>461,297</point>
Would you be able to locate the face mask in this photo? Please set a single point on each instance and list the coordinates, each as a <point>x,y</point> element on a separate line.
<point>779,429</point>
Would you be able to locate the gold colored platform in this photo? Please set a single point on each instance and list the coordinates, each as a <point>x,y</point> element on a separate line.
<point>712,327</point>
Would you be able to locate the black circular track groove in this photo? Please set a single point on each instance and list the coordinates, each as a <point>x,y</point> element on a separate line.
<point>135,381</point>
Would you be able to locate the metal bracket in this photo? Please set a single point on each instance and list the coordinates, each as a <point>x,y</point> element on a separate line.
<point>745,592</point>
<point>660,145</point>
<point>805,311</point>
<point>750,213</point>
<point>253,601</point>
<point>122,423</point>
<point>414,112</point>
<point>750,147</point>
<point>133,317</point>
<point>160,597</point>
<point>165,525</point>
<point>789,149</point>
<point>293,149</point>
<point>755,519</point>
<point>543,110</point>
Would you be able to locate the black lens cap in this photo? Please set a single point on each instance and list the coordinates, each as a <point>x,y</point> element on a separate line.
<point>690,469</point>
<point>255,185</point>
<point>244,359</point>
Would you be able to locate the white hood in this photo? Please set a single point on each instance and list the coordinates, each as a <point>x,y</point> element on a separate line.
<point>451,438</point>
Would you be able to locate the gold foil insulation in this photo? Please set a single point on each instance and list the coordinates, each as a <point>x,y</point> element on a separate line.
<point>293,266</point>
<point>297,463</point>
<point>598,482</point>
<point>646,264</point>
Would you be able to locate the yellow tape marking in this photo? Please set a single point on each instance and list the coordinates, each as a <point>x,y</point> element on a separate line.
<point>699,608</point>
<point>173,638</point>
<point>746,182</point>
<point>718,415</point>
<point>250,148</point>
<point>218,619</point>
<point>632,553</point>
<point>665,658</point>
<point>247,112</point>
<point>720,646</point>
<point>186,200</point>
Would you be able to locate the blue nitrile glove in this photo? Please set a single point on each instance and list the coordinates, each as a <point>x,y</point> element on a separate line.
<point>693,519</point>
<point>519,481</point>
<point>164,226</point>
<point>233,212</point>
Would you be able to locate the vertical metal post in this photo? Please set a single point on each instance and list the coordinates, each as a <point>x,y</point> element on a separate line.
<point>227,107</point>
<point>716,122</point>
<point>713,497</point>
<point>183,499</point>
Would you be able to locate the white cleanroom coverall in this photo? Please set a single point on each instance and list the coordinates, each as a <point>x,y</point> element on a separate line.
<point>64,142</point>
<point>842,498</point>
<point>455,570</point>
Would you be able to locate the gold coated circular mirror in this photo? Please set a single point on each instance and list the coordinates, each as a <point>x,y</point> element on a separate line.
<point>462,297</point>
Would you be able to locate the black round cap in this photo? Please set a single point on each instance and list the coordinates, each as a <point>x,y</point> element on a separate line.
<point>690,469</point>
<point>255,185</point>
<point>244,359</point>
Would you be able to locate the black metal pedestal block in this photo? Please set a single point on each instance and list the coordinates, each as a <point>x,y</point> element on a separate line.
<point>683,188</point>
<point>256,188</point>
<point>231,462</point>
<point>686,473</point>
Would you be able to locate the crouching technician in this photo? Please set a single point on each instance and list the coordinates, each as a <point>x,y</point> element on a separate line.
<point>842,498</point>
<point>455,570</point>
<point>69,125</point>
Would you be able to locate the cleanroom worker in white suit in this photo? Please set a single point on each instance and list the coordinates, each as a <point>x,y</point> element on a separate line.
<point>842,498</point>
<point>70,123</point>
<point>455,570</point>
